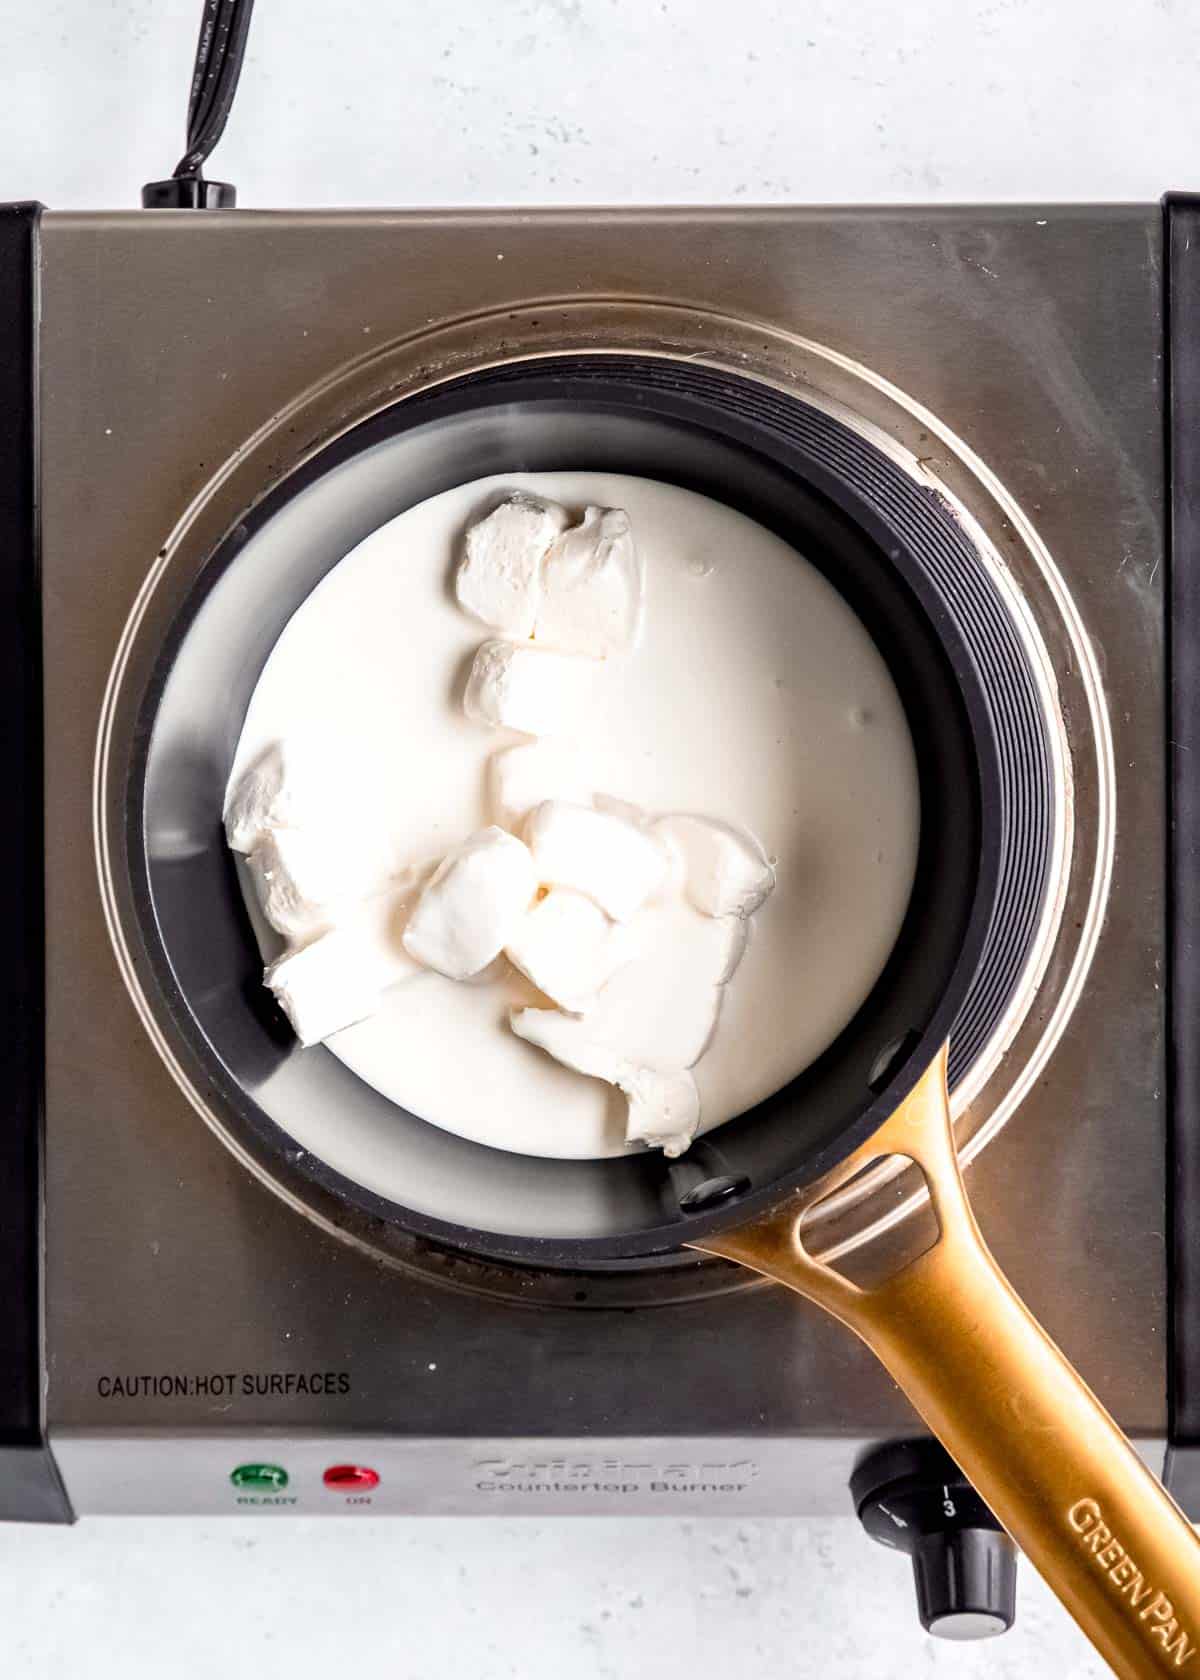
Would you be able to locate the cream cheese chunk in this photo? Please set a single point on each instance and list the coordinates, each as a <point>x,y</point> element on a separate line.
<point>663,1003</point>
<point>472,905</point>
<point>592,587</point>
<point>513,685</point>
<point>302,875</point>
<point>664,1107</point>
<point>664,1110</point>
<point>326,985</point>
<point>566,947</point>
<point>499,580</point>
<point>613,861</point>
<point>267,795</point>
<point>725,870</point>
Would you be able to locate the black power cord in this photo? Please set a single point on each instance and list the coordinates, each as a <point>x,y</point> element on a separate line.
<point>224,26</point>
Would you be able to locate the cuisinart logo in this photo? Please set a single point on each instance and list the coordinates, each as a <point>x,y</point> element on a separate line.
<point>589,1476</point>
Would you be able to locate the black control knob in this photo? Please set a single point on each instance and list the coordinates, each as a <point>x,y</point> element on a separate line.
<point>966,1583</point>
<point>912,1497</point>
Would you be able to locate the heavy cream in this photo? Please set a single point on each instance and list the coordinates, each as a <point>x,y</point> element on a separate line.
<point>754,696</point>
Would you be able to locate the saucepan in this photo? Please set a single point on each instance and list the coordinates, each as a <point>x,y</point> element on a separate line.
<point>1023,1426</point>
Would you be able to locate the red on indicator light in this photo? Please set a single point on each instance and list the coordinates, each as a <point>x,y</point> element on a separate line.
<point>350,1478</point>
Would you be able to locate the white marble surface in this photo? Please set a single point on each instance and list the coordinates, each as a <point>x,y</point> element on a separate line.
<point>569,101</point>
<point>585,1598</point>
<point>559,101</point>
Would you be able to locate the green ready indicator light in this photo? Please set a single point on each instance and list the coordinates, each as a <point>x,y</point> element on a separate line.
<point>260,1478</point>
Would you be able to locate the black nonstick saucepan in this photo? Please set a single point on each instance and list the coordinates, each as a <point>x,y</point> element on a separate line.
<point>1034,1441</point>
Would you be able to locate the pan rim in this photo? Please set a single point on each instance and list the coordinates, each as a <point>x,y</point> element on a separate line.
<point>582,1253</point>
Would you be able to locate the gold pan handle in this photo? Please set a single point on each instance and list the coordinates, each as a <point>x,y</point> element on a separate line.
<point>1016,1417</point>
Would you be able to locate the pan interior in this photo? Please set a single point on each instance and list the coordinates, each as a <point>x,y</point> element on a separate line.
<point>754,694</point>
<point>194,922</point>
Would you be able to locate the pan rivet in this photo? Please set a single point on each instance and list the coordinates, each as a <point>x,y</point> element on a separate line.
<point>711,1192</point>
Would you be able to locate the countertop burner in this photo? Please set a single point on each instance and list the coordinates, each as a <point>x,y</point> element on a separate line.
<point>212,1311</point>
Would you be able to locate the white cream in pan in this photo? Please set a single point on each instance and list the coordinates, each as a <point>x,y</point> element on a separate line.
<point>755,696</point>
